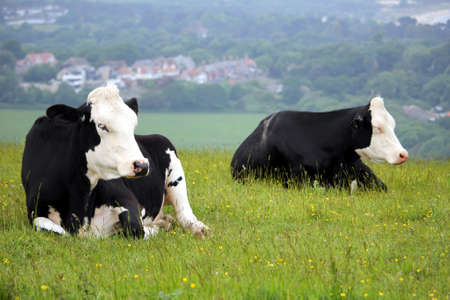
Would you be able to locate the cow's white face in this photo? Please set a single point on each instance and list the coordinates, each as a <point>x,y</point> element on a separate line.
<point>384,144</point>
<point>117,154</point>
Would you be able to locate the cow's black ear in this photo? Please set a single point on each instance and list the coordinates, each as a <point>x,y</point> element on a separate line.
<point>357,121</point>
<point>64,112</point>
<point>133,104</point>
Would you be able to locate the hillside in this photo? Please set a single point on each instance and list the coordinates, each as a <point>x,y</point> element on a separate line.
<point>234,56</point>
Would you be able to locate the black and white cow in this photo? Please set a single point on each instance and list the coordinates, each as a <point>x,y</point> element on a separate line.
<point>325,146</point>
<point>134,206</point>
<point>70,149</point>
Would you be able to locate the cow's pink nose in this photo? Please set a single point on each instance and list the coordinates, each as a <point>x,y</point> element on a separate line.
<point>402,157</point>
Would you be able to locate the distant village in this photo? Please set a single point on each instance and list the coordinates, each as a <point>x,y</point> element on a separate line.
<point>33,15</point>
<point>77,72</point>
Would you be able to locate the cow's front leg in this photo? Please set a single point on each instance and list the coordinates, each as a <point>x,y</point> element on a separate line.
<point>366,178</point>
<point>131,223</point>
<point>116,210</point>
<point>176,195</point>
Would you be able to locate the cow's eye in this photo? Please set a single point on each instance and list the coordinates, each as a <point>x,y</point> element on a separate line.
<point>103,127</point>
<point>377,129</point>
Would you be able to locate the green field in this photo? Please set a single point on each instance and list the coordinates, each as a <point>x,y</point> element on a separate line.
<point>268,243</point>
<point>193,130</point>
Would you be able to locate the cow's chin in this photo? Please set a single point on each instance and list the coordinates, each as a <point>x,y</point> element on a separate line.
<point>122,175</point>
<point>130,174</point>
<point>367,155</point>
<point>134,176</point>
<point>110,175</point>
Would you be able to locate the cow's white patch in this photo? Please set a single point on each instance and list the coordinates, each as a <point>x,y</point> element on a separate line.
<point>54,215</point>
<point>105,221</point>
<point>45,224</point>
<point>115,123</point>
<point>265,128</point>
<point>353,186</point>
<point>384,144</point>
<point>150,229</point>
<point>176,195</point>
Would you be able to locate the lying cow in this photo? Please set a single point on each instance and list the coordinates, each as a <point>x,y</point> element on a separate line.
<point>136,204</point>
<point>69,150</point>
<point>326,146</point>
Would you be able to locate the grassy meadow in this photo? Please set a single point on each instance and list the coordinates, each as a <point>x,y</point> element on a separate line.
<point>268,243</point>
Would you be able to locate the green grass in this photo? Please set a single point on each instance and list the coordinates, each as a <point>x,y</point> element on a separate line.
<point>268,243</point>
<point>183,129</point>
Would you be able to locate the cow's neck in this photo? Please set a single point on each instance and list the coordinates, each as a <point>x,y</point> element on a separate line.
<point>349,154</point>
<point>89,139</point>
<point>83,140</point>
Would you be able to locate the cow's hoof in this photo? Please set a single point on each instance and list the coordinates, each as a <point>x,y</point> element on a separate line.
<point>165,224</point>
<point>201,231</point>
<point>45,224</point>
<point>169,221</point>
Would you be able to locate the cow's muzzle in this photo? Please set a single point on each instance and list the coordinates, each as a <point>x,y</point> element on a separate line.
<point>140,168</point>
<point>402,157</point>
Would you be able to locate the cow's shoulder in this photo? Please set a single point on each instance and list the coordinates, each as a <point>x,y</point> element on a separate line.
<point>157,148</point>
<point>155,142</point>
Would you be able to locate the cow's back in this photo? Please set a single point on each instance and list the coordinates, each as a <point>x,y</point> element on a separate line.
<point>258,151</point>
<point>47,145</point>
